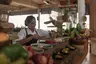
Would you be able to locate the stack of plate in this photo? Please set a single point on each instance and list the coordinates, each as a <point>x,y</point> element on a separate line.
<point>38,47</point>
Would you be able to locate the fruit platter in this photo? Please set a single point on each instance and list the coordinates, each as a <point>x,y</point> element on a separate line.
<point>65,54</point>
<point>77,35</point>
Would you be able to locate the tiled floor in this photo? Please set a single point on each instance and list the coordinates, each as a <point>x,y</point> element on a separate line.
<point>90,59</point>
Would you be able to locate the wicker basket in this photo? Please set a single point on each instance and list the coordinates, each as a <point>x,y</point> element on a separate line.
<point>76,42</point>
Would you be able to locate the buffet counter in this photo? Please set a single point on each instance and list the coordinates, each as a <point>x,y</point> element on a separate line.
<point>74,57</point>
<point>80,58</point>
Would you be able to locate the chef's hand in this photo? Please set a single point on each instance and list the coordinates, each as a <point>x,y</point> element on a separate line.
<point>36,36</point>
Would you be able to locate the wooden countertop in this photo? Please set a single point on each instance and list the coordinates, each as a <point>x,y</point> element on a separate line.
<point>78,59</point>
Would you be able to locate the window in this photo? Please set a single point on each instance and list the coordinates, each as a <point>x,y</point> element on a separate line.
<point>18,20</point>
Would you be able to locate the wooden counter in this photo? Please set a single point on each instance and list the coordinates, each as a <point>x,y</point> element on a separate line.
<point>80,58</point>
<point>50,51</point>
<point>75,59</point>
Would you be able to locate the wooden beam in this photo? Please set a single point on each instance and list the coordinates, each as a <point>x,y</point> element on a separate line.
<point>51,2</point>
<point>71,6</point>
<point>26,3</point>
<point>38,1</point>
<point>22,9</point>
<point>48,6</point>
<point>5,2</point>
<point>55,1</point>
<point>22,12</point>
<point>7,7</point>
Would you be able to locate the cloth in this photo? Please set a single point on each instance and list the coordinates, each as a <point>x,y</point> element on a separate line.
<point>22,33</point>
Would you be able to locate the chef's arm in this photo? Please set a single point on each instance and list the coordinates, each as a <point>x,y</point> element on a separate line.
<point>36,36</point>
<point>25,40</point>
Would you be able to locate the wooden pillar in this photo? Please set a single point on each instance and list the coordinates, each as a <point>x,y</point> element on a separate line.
<point>93,17</point>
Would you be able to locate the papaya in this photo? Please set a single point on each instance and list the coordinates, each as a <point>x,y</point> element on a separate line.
<point>15,51</point>
<point>40,59</point>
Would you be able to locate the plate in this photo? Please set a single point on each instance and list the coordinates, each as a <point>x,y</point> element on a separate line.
<point>42,41</point>
<point>37,49</point>
<point>48,46</point>
<point>42,45</point>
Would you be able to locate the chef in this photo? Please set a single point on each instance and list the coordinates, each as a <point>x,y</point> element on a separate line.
<point>30,34</point>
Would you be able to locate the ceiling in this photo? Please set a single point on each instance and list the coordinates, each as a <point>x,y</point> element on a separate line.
<point>7,6</point>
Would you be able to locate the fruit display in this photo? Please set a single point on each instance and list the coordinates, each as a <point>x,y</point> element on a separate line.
<point>72,47</point>
<point>19,61</point>
<point>42,59</point>
<point>76,41</point>
<point>4,39</point>
<point>57,56</point>
<point>39,59</point>
<point>77,35</point>
<point>31,53</point>
<point>4,59</point>
<point>74,32</point>
<point>14,54</point>
<point>63,52</point>
<point>15,51</point>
